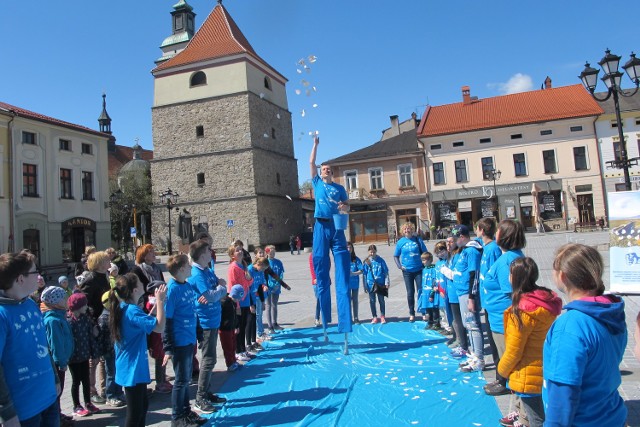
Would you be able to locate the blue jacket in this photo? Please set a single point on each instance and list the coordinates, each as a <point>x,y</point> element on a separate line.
<point>496,292</point>
<point>59,337</point>
<point>409,251</point>
<point>429,289</point>
<point>580,362</point>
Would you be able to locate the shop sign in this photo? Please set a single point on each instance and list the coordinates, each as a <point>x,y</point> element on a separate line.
<point>80,223</point>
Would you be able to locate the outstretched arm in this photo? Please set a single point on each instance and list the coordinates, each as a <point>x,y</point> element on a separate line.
<point>312,158</point>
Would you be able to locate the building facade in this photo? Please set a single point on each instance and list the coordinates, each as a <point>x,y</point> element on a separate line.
<point>57,189</point>
<point>386,184</point>
<point>223,139</point>
<point>542,143</point>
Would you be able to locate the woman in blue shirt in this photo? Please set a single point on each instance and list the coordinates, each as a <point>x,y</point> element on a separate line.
<point>407,258</point>
<point>129,329</point>
<point>354,281</point>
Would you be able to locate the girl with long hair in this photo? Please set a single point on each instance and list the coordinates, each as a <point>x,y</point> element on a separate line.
<point>354,281</point>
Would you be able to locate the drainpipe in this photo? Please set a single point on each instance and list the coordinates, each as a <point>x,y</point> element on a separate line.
<point>12,237</point>
<point>602,180</point>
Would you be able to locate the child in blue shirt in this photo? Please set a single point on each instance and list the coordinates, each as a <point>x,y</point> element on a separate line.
<point>429,301</point>
<point>275,287</point>
<point>375,271</point>
<point>179,338</point>
<point>29,385</point>
<point>354,281</point>
<point>260,264</point>
<point>130,327</point>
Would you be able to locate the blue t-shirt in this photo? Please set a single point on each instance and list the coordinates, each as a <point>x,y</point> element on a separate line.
<point>377,272</point>
<point>468,261</point>
<point>132,363</point>
<point>490,254</point>
<point>278,268</point>
<point>354,281</point>
<point>452,295</point>
<point>327,197</point>
<point>202,280</point>
<point>25,358</point>
<point>258,280</point>
<point>429,289</point>
<point>496,296</point>
<point>409,251</point>
<point>180,306</point>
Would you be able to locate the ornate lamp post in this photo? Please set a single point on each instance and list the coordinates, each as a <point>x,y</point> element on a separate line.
<point>169,198</point>
<point>612,78</point>
<point>494,175</point>
<point>115,199</point>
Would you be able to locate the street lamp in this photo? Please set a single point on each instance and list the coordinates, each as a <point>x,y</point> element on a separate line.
<point>494,175</point>
<point>115,199</point>
<point>168,198</point>
<point>611,79</point>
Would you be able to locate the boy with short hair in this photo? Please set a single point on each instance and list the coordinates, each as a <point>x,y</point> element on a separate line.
<point>429,300</point>
<point>208,291</point>
<point>28,381</point>
<point>179,339</point>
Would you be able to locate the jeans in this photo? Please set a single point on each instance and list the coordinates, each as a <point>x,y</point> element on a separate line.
<point>473,326</point>
<point>372,303</point>
<point>354,302</point>
<point>325,238</point>
<point>259,324</point>
<point>412,282</point>
<point>137,405</point>
<point>112,390</point>
<point>208,362</point>
<point>50,417</point>
<point>182,364</point>
<point>535,410</point>
<point>272,309</point>
<point>458,327</point>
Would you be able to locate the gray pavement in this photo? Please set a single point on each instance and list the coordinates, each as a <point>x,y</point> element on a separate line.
<point>297,309</point>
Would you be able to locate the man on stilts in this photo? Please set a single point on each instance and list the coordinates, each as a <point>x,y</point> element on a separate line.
<point>331,198</point>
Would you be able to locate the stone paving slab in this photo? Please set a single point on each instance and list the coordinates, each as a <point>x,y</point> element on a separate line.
<point>297,309</point>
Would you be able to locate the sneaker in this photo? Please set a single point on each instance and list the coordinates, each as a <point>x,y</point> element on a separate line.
<point>242,358</point>
<point>81,412</point>
<point>96,398</point>
<point>474,365</point>
<point>356,321</point>
<point>518,424</point>
<point>458,352</point>
<point>447,331</point>
<point>257,347</point>
<point>496,389</point>
<point>250,355</point>
<point>265,337</point>
<point>205,407</point>
<point>374,320</point>
<point>196,419</point>
<point>116,403</point>
<point>465,363</point>
<point>163,388</point>
<point>412,319</point>
<point>509,419</point>
<point>382,319</point>
<point>278,327</point>
<point>234,367</point>
<point>317,323</point>
<point>215,399</point>
<point>271,331</point>
<point>92,408</point>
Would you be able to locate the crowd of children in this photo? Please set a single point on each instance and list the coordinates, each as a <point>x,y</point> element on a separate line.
<point>555,368</point>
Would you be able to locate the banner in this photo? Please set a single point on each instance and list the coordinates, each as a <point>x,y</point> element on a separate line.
<point>624,248</point>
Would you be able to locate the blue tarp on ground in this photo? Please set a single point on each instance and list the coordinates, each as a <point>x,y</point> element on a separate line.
<point>397,374</point>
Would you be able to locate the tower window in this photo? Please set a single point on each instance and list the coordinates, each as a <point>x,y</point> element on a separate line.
<point>273,133</point>
<point>198,79</point>
<point>267,83</point>
<point>200,179</point>
<point>199,131</point>
<point>87,148</point>
<point>278,178</point>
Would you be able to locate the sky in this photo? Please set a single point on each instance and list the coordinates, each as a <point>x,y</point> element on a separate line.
<point>373,59</point>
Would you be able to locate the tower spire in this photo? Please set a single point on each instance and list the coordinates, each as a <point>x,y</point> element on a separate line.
<point>104,120</point>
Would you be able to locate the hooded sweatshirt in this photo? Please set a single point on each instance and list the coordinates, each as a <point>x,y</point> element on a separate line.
<point>522,359</point>
<point>27,379</point>
<point>582,353</point>
<point>59,336</point>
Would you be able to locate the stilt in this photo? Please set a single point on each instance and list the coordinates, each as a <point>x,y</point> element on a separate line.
<point>346,343</point>
<point>326,337</point>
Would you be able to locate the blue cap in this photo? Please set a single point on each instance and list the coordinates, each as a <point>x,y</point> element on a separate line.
<point>237,292</point>
<point>460,230</point>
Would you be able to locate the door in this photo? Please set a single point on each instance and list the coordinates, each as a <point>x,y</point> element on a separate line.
<point>77,243</point>
<point>31,241</point>
<point>585,206</point>
<point>526,216</point>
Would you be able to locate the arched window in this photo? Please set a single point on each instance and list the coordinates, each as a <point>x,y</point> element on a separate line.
<point>199,78</point>
<point>267,83</point>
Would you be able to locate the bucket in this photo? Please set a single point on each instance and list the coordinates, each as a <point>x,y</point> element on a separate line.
<point>340,221</point>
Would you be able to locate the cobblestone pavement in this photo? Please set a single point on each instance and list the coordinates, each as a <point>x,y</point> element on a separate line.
<point>297,310</point>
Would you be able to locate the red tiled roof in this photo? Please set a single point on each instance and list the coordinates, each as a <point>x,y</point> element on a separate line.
<point>509,110</point>
<point>123,155</point>
<point>21,112</point>
<point>219,36</point>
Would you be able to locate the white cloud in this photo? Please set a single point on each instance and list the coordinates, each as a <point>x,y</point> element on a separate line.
<point>517,83</point>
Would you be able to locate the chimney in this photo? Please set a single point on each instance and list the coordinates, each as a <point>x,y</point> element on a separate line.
<point>547,83</point>
<point>395,125</point>
<point>466,95</point>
